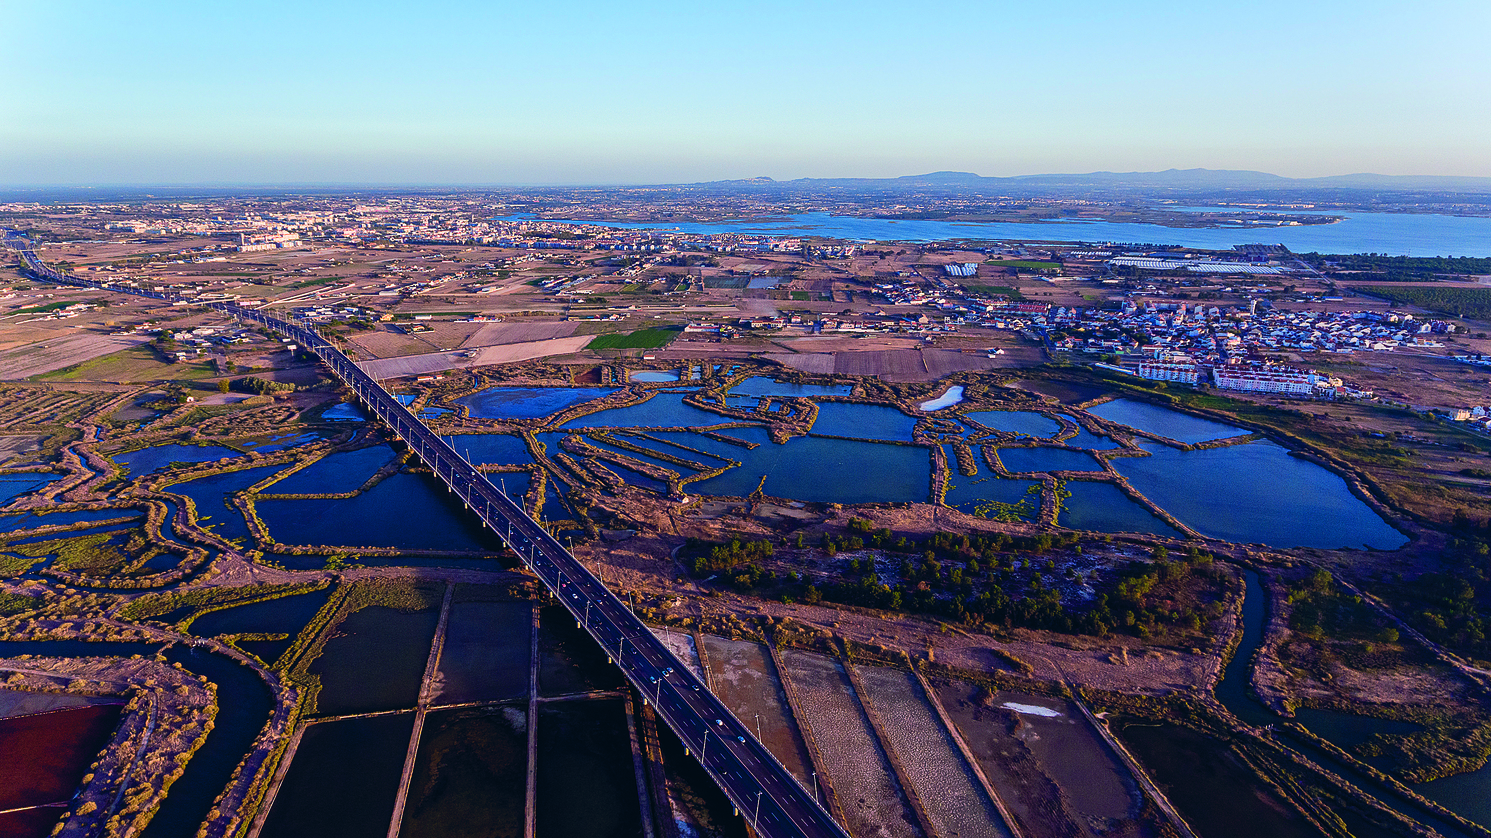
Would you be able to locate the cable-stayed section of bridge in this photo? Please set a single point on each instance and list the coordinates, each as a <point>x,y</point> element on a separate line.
<point>765,793</point>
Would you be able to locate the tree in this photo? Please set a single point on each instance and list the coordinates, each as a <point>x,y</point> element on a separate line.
<point>223,385</point>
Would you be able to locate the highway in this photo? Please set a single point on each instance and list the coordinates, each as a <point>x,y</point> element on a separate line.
<point>764,792</point>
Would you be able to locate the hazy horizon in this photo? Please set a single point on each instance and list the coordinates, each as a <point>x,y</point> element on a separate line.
<point>579,93</point>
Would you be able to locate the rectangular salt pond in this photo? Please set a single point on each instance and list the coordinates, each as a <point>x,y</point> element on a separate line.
<point>664,410</point>
<point>864,421</point>
<point>654,376</point>
<point>1016,422</point>
<point>1258,493</point>
<point>1103,507</point>
<point>344,471</point>
<point>491,449</point>
<point>527,402</point>
<point>210,494</point>
<point>381,517</point>
<point>1021,460</point>
<point>819,469</point>
<point>486,652</point>
<point>761,385</point>
<point>996,498</point>
<point>1169,424</point>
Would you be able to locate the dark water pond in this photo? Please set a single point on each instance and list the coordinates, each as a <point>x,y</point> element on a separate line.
<point>46,754</point>
<point>1215,792</point>
<point>268,651</point>
<point>586,785</point>
<point>664,410</point>
<point>491,449</point>
<point>1171,424</point>
<point>470,776</point>
<point>863,421</point>
<point>821,469</point>
<point>210,495</point>
<point>570,661</point>
<point>1468,795</point>
<point>760,385</point>
<point>994,497</point>
<point>344,471</point>
<point>1020,460</point>
<point>527,402</point>
<point>147,460</point>
<point>1016,422</point>
<point>343,780</point>
<point>1258,493</point>
<point>487,652</point>
<point>404,511</point>
<point>1103,507</point>
<point>376,661</point>
<point>1090,440</point>
<point>285,615</point>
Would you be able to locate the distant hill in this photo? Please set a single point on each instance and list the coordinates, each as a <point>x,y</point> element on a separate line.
<point>1171,180</point>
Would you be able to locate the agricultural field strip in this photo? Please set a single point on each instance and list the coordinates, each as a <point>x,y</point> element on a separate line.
<point>951,795</point>
<point>873,802</point>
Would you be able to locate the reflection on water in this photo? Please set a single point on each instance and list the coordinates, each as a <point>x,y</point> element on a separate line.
<point>1258,493</point>
<point>527,402</point>
<point>1169,424</point>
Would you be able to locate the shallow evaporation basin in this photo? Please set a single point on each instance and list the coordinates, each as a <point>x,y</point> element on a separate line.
<point>953,395</point>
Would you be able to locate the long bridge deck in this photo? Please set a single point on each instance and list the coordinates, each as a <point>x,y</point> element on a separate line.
<point>765,793</point>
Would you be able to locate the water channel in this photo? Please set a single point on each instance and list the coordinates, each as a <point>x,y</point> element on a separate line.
<point>1468,795</point>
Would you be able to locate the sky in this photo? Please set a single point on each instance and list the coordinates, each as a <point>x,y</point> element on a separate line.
<point>580,92</point>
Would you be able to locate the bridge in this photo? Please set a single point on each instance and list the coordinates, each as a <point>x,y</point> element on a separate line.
<point>765,793</point>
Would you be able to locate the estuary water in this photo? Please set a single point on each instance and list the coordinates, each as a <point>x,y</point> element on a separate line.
<point>1357,232</point>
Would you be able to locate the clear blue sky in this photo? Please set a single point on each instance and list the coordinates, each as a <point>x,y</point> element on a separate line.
<point>570,91</point>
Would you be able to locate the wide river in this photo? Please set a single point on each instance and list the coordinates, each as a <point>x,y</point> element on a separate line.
<point>1357,232</point>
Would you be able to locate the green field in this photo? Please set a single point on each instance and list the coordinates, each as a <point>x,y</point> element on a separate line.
<point>1024,264</point>
<point>802,296</point>
<point>310,283</point>
<point>996,291</point>
<point>640,339</point>
<point>136,364</point>
<point>1464,302</point>
<point>50,307</point>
